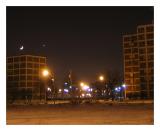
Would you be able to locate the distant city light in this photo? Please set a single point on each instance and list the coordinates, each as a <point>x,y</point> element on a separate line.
<point>70,87</point>
<point>116,89</point>
<point>65,83</point>
<point>83,95</point>
<point>60,90</point>
<point>124,86</point>
<point>66,90</point>
<point>88,94</point>
<point>49,89</point>
<point>85,87</point>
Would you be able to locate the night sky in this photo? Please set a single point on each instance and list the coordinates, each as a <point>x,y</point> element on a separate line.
<point>87,40</point>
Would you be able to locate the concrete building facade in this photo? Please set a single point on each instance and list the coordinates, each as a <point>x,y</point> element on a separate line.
<point>138,50</point>
<point>24,77</point>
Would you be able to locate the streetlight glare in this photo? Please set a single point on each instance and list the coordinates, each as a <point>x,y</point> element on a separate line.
<point>101,78</point>
<point>81,84</point>
<point>45,73</point>
<point>124,86</point>
<point>85,87</point>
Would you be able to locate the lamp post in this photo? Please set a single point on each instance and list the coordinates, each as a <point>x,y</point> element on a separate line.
<point>101,79</point>
<point>124,88</point>
<point>45,74</point>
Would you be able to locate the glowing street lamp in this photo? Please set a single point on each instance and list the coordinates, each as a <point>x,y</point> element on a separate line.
<point>101,78</point>
<point>85,87</point>
<point>124,87</point>
<point>81,84</point>
<point>45,72</point>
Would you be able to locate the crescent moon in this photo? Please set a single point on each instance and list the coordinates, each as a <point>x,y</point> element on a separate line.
<point>22,47</point>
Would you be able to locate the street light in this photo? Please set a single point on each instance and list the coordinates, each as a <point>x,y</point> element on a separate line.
<point>81,84</point>
<point>101,78</point>
<point>124,88</point>
<point>45,73</point>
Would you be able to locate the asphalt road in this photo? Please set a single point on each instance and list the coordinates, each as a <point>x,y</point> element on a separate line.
<point>84,114</point>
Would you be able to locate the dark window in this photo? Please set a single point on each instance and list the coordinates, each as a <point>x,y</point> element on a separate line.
<point>150,50</point>
<point>22,71</point>
<point>10,66</point>
<point>23,58</point>
<point>10,78</point>
<point>16,78</point>
<point>127,57</point>
<point>16,72</point>
<point>142,51</point>
<point>29,84</point>
<point>16,65</point>
<point>141,44</point>
<point>127,69</point>
<point>29,71</point>
<point>142,58</point>
<point>135,56</point>
<point>35,72</point>
<point>127,38</point>
<point>36,59</point>
<point>143,86</point>
<point>141,30</point>
<point>15,84</point>
<point>143,65</point>
<point>136,75</point>
<point>150,64</point>
<point>134,38</point>
<point>36,65</point>
<point>150,36</point>
<point>36,84</point>
<point>23,65</point>
<point>150,43</point>
<point>29,58</point>
<point>10,60</point>
<point>29,77</point>
<point>126,45</point>
<point>42,60</point>
<point>22,84</point>
<point>128,63</point>
<point>150,57</point>
<point>143,72</point>
<point>135,50</point>
<point>16,59</point>
<point>36,78</point>
<point>142,79</point>
<point>42,65</point>
<point>135,69</point>
<point>149,29</point>
<point>10,72</point>
<point>22,77</point>
<point>141,37</point>
<point>29,65</point>
<point>134,63</point>
<point>127,51</point>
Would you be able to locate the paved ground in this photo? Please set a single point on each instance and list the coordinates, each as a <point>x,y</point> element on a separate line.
<point>89,114</point>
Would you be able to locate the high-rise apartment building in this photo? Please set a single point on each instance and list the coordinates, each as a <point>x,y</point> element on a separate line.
<point>139,62</point>
<point>23,77</point>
